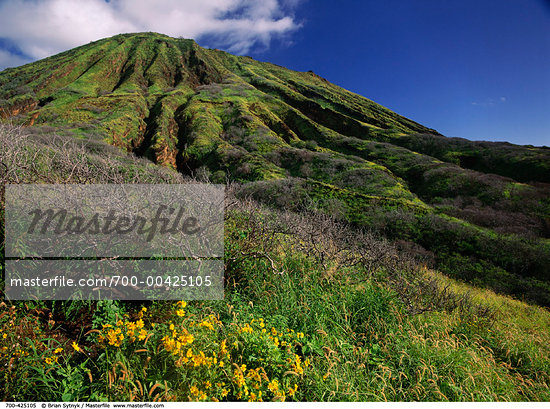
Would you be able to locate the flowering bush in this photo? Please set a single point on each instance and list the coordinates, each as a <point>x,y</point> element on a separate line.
<point>205,360</point>
<point>35,365</point>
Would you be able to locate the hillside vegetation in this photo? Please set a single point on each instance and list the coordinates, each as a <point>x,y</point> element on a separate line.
<point>367,256</point>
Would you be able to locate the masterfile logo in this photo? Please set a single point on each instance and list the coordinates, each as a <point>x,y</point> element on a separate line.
<point>60,223</point>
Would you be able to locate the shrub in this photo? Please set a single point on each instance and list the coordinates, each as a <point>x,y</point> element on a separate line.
<point>202,359</point>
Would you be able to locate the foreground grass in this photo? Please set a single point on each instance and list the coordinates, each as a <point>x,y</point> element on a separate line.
<point>313,311</point>
<point>291,327</point>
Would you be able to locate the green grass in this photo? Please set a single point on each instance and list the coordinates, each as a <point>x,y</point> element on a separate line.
<point>364,339</point>
<point>376,325</point>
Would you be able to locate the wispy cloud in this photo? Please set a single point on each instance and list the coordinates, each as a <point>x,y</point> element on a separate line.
<point>490,102</point>
<point>40,28</point>
<point>10,59</point>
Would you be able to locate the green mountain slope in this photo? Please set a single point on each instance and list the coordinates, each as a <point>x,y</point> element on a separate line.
<point>318,306</point>
<point>478,211</point>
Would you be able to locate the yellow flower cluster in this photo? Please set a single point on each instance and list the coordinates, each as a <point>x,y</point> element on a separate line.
<point>176,341</point>
<point>210,322</point>
<point>191,359</point>
<point>129,330</point>
<point>278,393</point>
<point>292,391</point>
<point>213,357</point>
<point>24,345</point>
<point>114,337</point>
<point>180,312</point>
<point>297,364</point>
<point>49,360</point>
<point>223,348</point>
<point>255,378</point>
<point>255,384</point>
<point>247,328</point>
<point>15,342</point>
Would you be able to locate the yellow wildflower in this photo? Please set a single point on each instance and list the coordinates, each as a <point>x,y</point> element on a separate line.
<point>169,343</point>
<point>115,337</point>
<point>142,335</point>
<point>186,337</point>
<point>223,347</point>
<point>292,391</point>
<point>76,347</point>
<point>254,374</point>
<point>58,350</point>
<point>238,378</point>
<point>199,359</point>
<point>273,386</point>
<point>206,324</point>
<point>297,366</point>
<point>246,328</point>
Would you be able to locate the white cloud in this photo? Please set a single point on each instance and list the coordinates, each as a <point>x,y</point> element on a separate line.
<point>490,102</point>
<point>7,60</point>
<point>40,28</point>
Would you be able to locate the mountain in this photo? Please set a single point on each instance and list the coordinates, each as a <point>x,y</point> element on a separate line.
<point>362,251</point>
<point>479,211</point>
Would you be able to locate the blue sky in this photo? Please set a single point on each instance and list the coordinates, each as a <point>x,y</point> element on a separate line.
<point>478,69</point>
<point>473,69</point>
